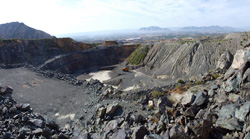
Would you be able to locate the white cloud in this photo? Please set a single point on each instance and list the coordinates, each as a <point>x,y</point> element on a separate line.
<point>63,16</point>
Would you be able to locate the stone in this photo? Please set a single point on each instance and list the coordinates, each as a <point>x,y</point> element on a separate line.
<point>162,103</point>
<point>247,136</point>
<point>37,122</point>
<point>101,112</point>
<point>200,99</point>
<point>112,125</point>
<point>191,111</point>
<point>140,119</point>
<point>211,93</point>
<point>233,97</point>
<point>178,132</point>
<point>230,124</point>
<point>38,131</point>
<point>153,136</point>
<point>25,107</point>
<point>238,59</point>
<point>52,125</point>
<point>111,109</point>
<point>246,76</point>
<point>187,99</point>
<point>228,111</point>
<point>120,134</point>
<point>139,132</point>
<point>200,114</point>
<point>225,61</point>
<point>201,128</point>
<point>243,111</point>
<point>6,89</point>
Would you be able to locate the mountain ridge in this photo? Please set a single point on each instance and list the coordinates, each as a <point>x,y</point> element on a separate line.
<point>17,30</point>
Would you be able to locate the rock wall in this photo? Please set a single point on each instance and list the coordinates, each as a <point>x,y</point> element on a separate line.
<point>89,60</point>
<point>35,52</point>
<point>62,55</point>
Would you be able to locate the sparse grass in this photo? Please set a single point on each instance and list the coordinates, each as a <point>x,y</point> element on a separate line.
<point>151,107</point>
<point>138,55</point>
<point>180,81</point>
<point>182,42</point>
<point>215,75</point>
<point>156,94</point>
<point>198,82</point>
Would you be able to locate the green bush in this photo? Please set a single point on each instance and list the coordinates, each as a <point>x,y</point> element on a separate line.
<point>156,94</point>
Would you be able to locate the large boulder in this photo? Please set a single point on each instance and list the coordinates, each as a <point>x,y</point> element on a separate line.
<point>187,99</point>
<point>225,61</point>
<point>201,128</point>
<point>239,58</point>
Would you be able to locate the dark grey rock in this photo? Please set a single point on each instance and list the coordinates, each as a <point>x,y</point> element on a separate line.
<point>228,111</point>
<point>38,131</point>
<point>191,111</point>
<point>178,132</point>
<point>6,89</point>
<point>162,103</point>
<point>230,124</point>
<point>243,111</point>
<point>200,99</point>
<point>201,128</point>
<point>139,132</point>
<point>37,122</point>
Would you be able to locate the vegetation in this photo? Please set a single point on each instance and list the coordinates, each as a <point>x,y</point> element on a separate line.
<point>215,75</point>
<point>182,42</point>
<point>138,55</point>
<point>198,82</point>
<point>180,81</point>
<point>156,94</point>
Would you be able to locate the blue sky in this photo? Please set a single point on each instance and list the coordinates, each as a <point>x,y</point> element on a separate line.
<point>70,16</point>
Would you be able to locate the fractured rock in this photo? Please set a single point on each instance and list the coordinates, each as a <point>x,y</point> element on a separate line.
<point>112,108</point>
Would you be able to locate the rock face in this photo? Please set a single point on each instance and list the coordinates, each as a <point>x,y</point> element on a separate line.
<point>16,30</point>
<point>61,55</point>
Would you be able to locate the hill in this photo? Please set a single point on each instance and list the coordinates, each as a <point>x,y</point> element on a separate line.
<point>209,29</point>
<point>153,28</point>
<point>16,30</point>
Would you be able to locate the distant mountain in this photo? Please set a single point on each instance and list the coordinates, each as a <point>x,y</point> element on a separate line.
<point>16,30</point>
<point>209,29</point>
<point>153,28</point>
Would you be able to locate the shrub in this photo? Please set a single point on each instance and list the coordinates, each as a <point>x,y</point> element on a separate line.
<point>180,81</point>
<point>198,82</point>
<point>156,94</point>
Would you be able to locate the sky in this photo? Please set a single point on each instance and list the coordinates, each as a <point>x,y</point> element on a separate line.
<point>72,16</point>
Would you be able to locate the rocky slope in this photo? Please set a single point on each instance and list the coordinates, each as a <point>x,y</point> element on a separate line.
<point>215,107</point>
<point>16,30</point>
<point>188,58</point>
<point>19,121</point>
